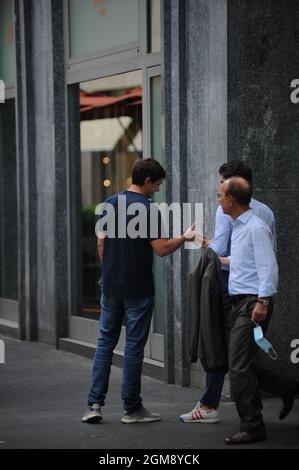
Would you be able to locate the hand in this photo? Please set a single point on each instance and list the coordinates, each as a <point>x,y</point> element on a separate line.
<point>224,261</point>
<point>259,313</point>
<point>203,241</point>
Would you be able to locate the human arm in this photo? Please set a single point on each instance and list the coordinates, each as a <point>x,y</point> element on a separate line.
<point>100,247</point>
<point>223,229</point>
<point>163,247</point>
<point>203,241</point>
<point>274,233</point>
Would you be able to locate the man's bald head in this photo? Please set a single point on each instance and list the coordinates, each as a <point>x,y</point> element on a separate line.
<point>239,189</point>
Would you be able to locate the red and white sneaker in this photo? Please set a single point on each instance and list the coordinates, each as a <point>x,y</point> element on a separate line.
<point>198,415</point>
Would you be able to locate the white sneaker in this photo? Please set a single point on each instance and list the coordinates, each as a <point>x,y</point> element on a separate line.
<point>198,415</point>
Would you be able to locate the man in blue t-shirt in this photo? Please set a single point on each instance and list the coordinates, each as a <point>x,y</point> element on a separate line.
<point>126,242</point>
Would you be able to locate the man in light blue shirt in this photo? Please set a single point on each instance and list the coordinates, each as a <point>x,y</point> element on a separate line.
<point>253,282</point>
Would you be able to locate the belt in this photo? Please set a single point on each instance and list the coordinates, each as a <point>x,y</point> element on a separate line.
<point>236,298</point>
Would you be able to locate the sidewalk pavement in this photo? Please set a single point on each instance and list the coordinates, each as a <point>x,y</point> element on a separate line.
<point>42,400</point>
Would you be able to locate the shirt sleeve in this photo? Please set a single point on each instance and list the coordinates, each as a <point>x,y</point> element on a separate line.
<point>223,230</point>
<point>265,260</point>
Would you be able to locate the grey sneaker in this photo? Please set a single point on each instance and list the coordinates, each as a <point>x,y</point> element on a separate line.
<point>142,415</point>
<point>93,414</point>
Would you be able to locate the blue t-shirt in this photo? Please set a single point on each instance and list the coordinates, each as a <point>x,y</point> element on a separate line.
<point>127,266</point>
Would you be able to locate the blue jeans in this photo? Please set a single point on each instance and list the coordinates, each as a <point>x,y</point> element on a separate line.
<point>213,390</point>
<point>215,380</point>
<point>136,314</point>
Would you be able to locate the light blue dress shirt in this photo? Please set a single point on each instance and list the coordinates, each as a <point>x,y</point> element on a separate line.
<point>224,227</point>
<point>253,266</point>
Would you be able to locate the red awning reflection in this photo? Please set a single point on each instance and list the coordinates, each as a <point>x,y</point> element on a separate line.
<point>103,106</point>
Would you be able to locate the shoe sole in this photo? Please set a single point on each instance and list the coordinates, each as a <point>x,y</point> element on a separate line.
<point>92,419</point>
<point>203,421</point>
<point>140,420</point>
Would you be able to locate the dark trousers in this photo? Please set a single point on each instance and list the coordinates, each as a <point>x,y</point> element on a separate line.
<point>245,372</point>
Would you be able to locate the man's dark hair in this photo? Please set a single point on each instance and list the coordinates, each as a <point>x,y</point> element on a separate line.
<point>236,168</point>
<point>240,189</point>
<point>147,168</point>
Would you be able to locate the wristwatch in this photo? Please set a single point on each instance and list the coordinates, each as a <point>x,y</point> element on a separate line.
<point>264,302</point>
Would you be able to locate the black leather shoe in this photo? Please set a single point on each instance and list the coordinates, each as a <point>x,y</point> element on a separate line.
<point>288,402</point>
<point>246,438</point>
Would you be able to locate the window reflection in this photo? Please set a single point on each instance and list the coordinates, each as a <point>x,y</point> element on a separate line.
<point>8,203</point>
<point>111,141</point>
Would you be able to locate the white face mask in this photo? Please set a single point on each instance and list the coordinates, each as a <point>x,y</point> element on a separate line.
<point>263,343</point>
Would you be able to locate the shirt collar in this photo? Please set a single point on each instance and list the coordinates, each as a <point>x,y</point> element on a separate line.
<point>245,216</point>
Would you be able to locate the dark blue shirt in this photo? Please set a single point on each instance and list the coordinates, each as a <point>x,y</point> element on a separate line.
<point>127,266</point>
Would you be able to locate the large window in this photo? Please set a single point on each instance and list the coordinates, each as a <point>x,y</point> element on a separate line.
<point>7,70</point>
<point>155,26</point>
<point>111,141</point>
<point>8,169</point>
<point>114,70</point>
